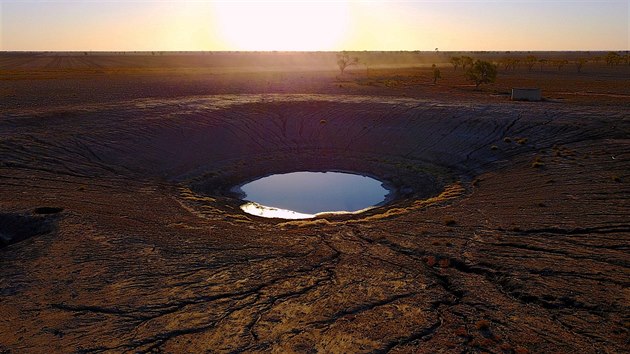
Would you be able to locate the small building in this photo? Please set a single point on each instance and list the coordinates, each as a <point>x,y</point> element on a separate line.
<point>526,94</point>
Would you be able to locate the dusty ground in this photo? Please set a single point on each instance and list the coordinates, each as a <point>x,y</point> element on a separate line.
<point>511,236</point>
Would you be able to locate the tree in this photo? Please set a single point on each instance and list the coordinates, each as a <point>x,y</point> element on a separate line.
<point>436,74</point>
<point>466,61</point>
<point>515,64</point>
<point>531,61</point>
<point>560,63</point>
<point>507,63</point>
<point>613,58</point>
<point>510,63</point>
<point>579,64</point>
<point>344,61</point>
<point>482,72</point>
<point>456,61</point>
<point>542,63</point>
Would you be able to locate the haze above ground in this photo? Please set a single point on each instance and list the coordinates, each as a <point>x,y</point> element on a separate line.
<point>313,25</point>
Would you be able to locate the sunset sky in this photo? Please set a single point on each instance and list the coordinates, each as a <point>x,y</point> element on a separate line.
<point>314,25</point>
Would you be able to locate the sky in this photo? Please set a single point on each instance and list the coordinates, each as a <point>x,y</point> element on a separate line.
<point>330,25</point>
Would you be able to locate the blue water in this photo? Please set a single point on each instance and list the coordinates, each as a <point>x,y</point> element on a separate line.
<point>316,192</point>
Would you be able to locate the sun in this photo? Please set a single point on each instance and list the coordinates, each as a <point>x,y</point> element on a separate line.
<point>285,26</point>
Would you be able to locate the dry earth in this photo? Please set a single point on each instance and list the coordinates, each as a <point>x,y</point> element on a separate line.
<point>510,233</point>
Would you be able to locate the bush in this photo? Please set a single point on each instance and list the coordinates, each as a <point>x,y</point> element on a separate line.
<point>450,222</point>
<point>483,324</point>
<point>344,61</point>
<point>482,72</point>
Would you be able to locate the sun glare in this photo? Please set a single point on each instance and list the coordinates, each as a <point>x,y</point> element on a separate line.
<point>296,25</point>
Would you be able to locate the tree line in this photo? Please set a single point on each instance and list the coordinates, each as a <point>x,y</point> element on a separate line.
<point>484,72</point>
<point>531,62</point>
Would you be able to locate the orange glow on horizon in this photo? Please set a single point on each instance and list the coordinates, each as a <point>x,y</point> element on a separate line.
<point>313,25</point>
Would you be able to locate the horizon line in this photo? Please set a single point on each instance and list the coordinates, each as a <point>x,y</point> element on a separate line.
<point>316,51</point>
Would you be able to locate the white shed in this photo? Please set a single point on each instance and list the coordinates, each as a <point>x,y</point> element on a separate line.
<point>526,94</point>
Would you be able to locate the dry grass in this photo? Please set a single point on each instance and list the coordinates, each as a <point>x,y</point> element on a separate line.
<point>188,194</point>
<point>451,192</point>
<point>538,163</point>
<point>461,332</point>
<point>506,347</point>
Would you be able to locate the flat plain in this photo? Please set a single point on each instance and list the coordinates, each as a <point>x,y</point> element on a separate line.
<point>509,233</point>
